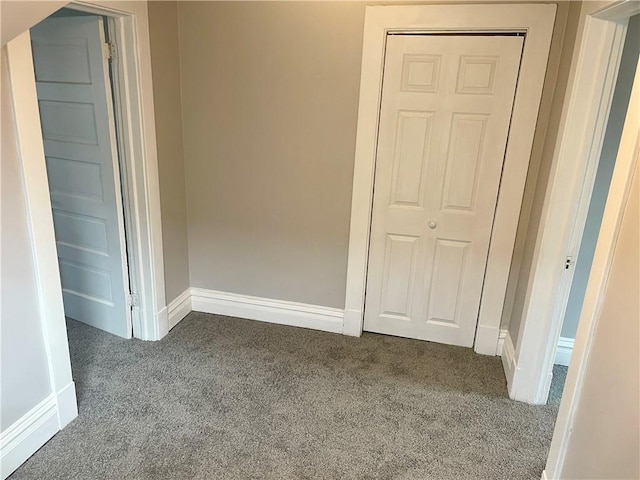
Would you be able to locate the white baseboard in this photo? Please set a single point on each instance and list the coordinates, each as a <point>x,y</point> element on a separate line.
<point>501,337</point>
<point>267,310</point>
<point>563,351</point>
<point>509,360</point>
<point>28,434</point>
<point>316,317</point>
<point>352,325</point>
<point>514,375</point>
<point>67,405</point>
<point>489,340</point>
<point>179,308</point>
<point>162,320</point>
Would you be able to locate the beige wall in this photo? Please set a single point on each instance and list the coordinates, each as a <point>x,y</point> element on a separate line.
<point>165,62</point>
<point>16,17</point>
<point>24,371</point>
<point>605,440</point>
<point>269,97</point>
<point>270,94</point>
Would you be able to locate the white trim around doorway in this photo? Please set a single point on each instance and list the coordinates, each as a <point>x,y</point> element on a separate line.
<point>536,22</point>
<point>130,27</point>
<point>627,166</point>
<point>567,200</point>
<point>135,124</point>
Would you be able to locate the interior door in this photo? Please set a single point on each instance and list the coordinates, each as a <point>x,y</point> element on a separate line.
<point>444,123</point>
<point>74,96</point>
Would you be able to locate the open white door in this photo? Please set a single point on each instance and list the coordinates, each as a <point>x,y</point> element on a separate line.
<point>76,113</point>
<point>444,123</point>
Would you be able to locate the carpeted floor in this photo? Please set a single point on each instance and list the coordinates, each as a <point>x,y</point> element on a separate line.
<point>223,398</point>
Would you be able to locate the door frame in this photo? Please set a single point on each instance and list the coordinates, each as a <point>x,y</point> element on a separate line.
<point>137,152</point>
<point>567,202</point>
<point>131,31</point>
<point>627,165</point>
<point>135,126</point>
<point>537,22</point>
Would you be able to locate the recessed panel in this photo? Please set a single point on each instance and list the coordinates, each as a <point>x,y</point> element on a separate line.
<point>446,281</point>
<point>70,177</point>
<point>62,62</point>
<point>398,275</point>
<point>420,73</point>
<point>476,74</point>
<point>80,231</point>
<point>86,281</point>
<point>464,161</point>
<point>68,122</point>
<point>410,155</point>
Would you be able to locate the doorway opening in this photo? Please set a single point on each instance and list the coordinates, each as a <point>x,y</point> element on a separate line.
<point>582,263</point>
<point>73,61</point>
<point>529,366</point>
<point>133,107</point>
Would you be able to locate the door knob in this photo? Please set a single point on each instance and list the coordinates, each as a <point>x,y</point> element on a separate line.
<point>433,224</point>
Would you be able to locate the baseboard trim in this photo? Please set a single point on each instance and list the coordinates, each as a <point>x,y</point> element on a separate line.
<point>488,340</point>
<point>544,475</point>
<point>282,312</point>
<point>509,360</point>
<point>67,405</point>
<point>501,338</point>
<point>28,434</point>
<point>564,350</point>
<point>162,320</point>
<point>352,324</point>
<point>179,308</point>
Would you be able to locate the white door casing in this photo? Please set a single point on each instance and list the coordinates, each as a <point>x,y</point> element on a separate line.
<point>536,21</point>
<point>579,145</point>
<point>76,113</point>
<point>444,122</point>
<point>129,29</point>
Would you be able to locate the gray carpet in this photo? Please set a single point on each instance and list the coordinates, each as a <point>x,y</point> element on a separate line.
<point>223,398</point>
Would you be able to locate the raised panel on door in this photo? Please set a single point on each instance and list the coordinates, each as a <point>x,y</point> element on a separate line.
<point>81,232</point>
<point>412,142</point>
<point>464,161</point>
<point>444,121</point>
<point>80,179</point>
<point>399,266</point>
<point>68,122</point>
<point>447,282</point>
<point>76,116</point>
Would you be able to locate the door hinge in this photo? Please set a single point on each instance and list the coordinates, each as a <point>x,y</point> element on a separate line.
<point>109,50</point>
<point>568,262</point>
<point>133,300</point>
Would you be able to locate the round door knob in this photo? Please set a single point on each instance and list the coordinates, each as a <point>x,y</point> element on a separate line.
<point>433,224</point>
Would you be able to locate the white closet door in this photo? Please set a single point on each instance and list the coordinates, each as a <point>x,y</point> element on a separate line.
<point>74,95</point>
<point>444,123</point>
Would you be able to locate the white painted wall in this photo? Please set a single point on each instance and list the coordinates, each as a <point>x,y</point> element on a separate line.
<point>603,177</point>
<point>605,440</point>
<point>24,371</point>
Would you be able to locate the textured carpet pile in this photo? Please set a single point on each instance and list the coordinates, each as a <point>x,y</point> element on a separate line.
<point>224,398</point>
